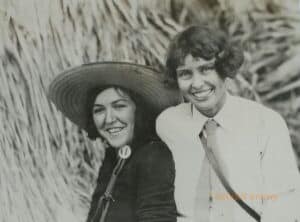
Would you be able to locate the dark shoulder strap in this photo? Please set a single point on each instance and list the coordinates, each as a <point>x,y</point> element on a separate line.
<point>106,198</point>
<point>213,162</point>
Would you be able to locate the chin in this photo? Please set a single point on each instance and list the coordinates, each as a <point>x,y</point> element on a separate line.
<point>118,141</point>
<point>204,108</point>
<point>202,105</point>
<point>118,144</point>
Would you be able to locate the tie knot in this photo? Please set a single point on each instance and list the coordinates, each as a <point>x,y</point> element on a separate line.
<point>210,127</point>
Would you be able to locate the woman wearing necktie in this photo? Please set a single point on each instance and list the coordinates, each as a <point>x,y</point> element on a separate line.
<point>233,157</point>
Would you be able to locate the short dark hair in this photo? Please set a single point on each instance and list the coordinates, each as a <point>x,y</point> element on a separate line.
<point>205,43</point>
<point>144,127</point>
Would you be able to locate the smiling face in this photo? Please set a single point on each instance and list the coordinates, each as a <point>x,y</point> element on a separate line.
<point>114,116</point>
<point>201,85</point>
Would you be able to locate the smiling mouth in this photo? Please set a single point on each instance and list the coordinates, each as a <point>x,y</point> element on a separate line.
<point>114,130</point>
<point>203,94</point>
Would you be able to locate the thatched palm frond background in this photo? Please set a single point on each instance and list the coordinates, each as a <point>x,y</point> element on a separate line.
<point>48,167</point>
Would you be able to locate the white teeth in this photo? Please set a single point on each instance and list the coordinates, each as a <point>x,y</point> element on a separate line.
<point>203,93</point>
<point>114,130</point>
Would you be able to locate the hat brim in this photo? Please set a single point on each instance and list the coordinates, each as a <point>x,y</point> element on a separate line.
<point>69,90</point>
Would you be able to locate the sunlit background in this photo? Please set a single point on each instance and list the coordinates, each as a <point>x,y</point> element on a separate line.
<point>47,166</point>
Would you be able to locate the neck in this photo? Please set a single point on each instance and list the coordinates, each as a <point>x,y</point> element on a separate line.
<point>212,112</point>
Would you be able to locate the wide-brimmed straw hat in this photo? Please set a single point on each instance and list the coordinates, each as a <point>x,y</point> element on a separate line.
<point>69,90</point>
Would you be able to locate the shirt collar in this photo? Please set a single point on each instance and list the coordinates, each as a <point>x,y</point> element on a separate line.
<point>198,119</point>
<point>226,117</point>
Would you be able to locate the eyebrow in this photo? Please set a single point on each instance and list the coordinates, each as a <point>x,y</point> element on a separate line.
<point>196,64</point>
<point>114,102</point>
<point>197,67</point>
<point>121,100</point>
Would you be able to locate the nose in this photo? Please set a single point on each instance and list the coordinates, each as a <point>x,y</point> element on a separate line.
<point>110,116</point>
<point>198,80</point>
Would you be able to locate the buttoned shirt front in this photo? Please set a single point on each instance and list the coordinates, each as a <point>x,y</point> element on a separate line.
<point>256,149</point>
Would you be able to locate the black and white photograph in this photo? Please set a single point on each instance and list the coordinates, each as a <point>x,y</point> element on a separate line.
<point>150,110</point>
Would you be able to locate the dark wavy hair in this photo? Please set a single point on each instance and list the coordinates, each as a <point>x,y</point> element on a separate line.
<point>205,43</point>
<point>144,127</point>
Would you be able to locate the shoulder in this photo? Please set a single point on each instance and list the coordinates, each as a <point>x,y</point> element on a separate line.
<point>155,150</point>
<point>256,110</point>
<point>155,162</point>
<point>248,104</point>
<point>154,154</point>
<point>173,115</point>
<point>257,119</point>
<point>172,112</point>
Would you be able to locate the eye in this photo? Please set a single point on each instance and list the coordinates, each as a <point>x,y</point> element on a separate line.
<point>98,110</point>
<point>119,105</point>
<point>206,69</point>
<point>184,74</point>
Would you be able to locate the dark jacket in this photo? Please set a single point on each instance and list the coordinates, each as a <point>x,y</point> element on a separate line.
<point>144,190</point>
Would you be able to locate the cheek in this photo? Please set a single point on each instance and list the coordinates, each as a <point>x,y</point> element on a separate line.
<point>183,85</point>
<point>218,82</point>
<point>219,92</point>
<point>126,116</point>
<point>220,87</point>
<point>131,117</point>
<point>98,120</point>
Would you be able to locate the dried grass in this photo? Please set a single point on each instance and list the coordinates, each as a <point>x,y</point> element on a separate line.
<point>48,168</point>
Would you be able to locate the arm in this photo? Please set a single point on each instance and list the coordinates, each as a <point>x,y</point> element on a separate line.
<point>280,173</point>
<point>161,128</point>
<point>155,185</point>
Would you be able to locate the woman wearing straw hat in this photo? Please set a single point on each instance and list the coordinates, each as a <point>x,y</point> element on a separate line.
<point>119,102</point>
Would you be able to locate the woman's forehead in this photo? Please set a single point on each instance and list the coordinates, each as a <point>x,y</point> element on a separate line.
<point>191,62</point>
<point>112,94</point>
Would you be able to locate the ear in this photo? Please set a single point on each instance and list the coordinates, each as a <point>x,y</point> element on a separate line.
<point>231,86</point>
